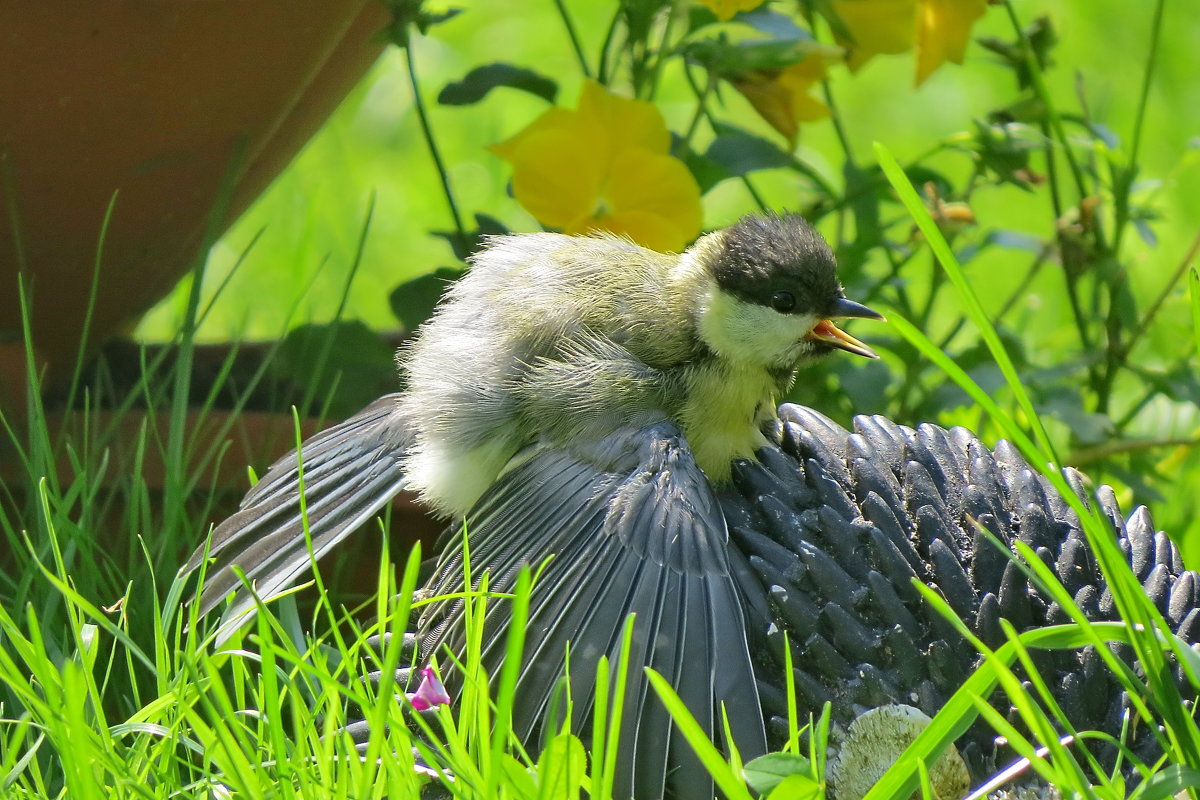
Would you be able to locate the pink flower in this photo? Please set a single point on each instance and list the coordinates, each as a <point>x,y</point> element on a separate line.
<point>429,693</point>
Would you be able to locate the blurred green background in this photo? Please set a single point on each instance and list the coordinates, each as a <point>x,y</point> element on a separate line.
<point>313,214</point>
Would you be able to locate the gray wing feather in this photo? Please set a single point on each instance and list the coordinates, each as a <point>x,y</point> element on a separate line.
<point>633,528</point>
<point>350,471</point>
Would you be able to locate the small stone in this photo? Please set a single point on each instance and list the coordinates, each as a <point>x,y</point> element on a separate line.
<point>872,744</point>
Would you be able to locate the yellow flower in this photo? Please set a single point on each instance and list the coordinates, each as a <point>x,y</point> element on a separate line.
<point>782,96</point>
<point>943,30</point>
<point>939,29</point>
<point>725,9</point>
<point>605,166</point>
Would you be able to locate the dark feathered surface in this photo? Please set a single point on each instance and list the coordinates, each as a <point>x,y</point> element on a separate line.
<point>833,525</point>
<point>836,523</point>
<point>634,529</point>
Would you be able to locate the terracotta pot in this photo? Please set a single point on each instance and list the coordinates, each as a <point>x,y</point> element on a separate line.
<point>150,101</point>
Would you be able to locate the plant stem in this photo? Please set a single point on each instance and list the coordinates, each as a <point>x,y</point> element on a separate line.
<point>1100,452</point>
<point>836,119</point>
<point>1152,392</point>
<point>1139,119</point>
<point>698,114</point>
<point>8,177</point>
<point>322,356</point>
<point>81,350</point>
<point>175,490</point>
<point>1144,325</point>
<point>1026,281</point>
<point>661,53</point>
<point>574,36</point>
<point>1039,87</point>
<point>702,108</point>
<point>431,143</point>
<point>602,71</point>
<point>1122,185</point>
<point>1069,273</point>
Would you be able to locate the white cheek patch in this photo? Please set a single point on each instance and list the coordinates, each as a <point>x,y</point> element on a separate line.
<point>752,334</point>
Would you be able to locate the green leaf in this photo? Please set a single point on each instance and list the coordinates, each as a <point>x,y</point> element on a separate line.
<point>1041,37</point>
<point>1188,655</point>
<point>1004,148</point>
<point>481,80</point>
<point>777,25</point>
<point>562,768</point>
<point>1194,294</point>
<point>741,153</point>
<point>1088,427</point>
<point>518,776</point>
<point>725,778</point>
<point>1146,232</point>
<point>1169,782</point>
<point>413,301</point>
<point>937,243</point>
<point>729,59</point>
<point>798,787</point>
<point>406,13</point>
<point>465,244</point>
<point>1016,240</point>
<point>863,190</point>
<point>767,772</point>
<point>707,172</point>
<point>698,17</point>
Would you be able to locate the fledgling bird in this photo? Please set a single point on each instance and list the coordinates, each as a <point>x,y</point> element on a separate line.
<point>582,398</point>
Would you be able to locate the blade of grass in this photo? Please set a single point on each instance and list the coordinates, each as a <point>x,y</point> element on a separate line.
<point>730,783</point>
<point>937,243</point>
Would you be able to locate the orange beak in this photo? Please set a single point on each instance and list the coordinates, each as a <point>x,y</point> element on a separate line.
<point>825,331</point>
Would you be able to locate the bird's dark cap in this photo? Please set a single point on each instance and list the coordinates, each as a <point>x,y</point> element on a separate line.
<point>761,255</point>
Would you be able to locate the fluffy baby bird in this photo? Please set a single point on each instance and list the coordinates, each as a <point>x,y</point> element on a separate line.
<point>556,339</point>
<point>579,402</point>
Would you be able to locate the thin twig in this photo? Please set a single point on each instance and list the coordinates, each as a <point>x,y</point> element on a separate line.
<point>662,53</point>
<point>1163,295</point>
<point>602,72</point>
<point>1020,291</point>
<point>1088,455</point>
<point>712,121</point>
<point>431,143</point>
<point>1039,87</point>
<point>575,43</point>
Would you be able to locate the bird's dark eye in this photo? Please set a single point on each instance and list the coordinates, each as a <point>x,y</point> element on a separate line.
<point>783,302</point>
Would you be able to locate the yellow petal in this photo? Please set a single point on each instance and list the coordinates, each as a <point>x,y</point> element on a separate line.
<point>573,169</point>
<point>661,187</point>
<point>943,29</point>
<point>646,228</point>
<point>771,100</point>
<point>782,97</point>
<point>878,26</point>
<point>623,121</point>
<point>725,9</point>
<point>800,79</point>
<point>806,108</point>
<point>553,119</point>
<point>553,178</point>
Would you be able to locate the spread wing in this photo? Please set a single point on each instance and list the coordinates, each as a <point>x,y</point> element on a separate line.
<point>350,471</point>
<point>633,528</point>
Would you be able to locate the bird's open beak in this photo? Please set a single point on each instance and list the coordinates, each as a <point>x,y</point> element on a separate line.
<point>825,331</point>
